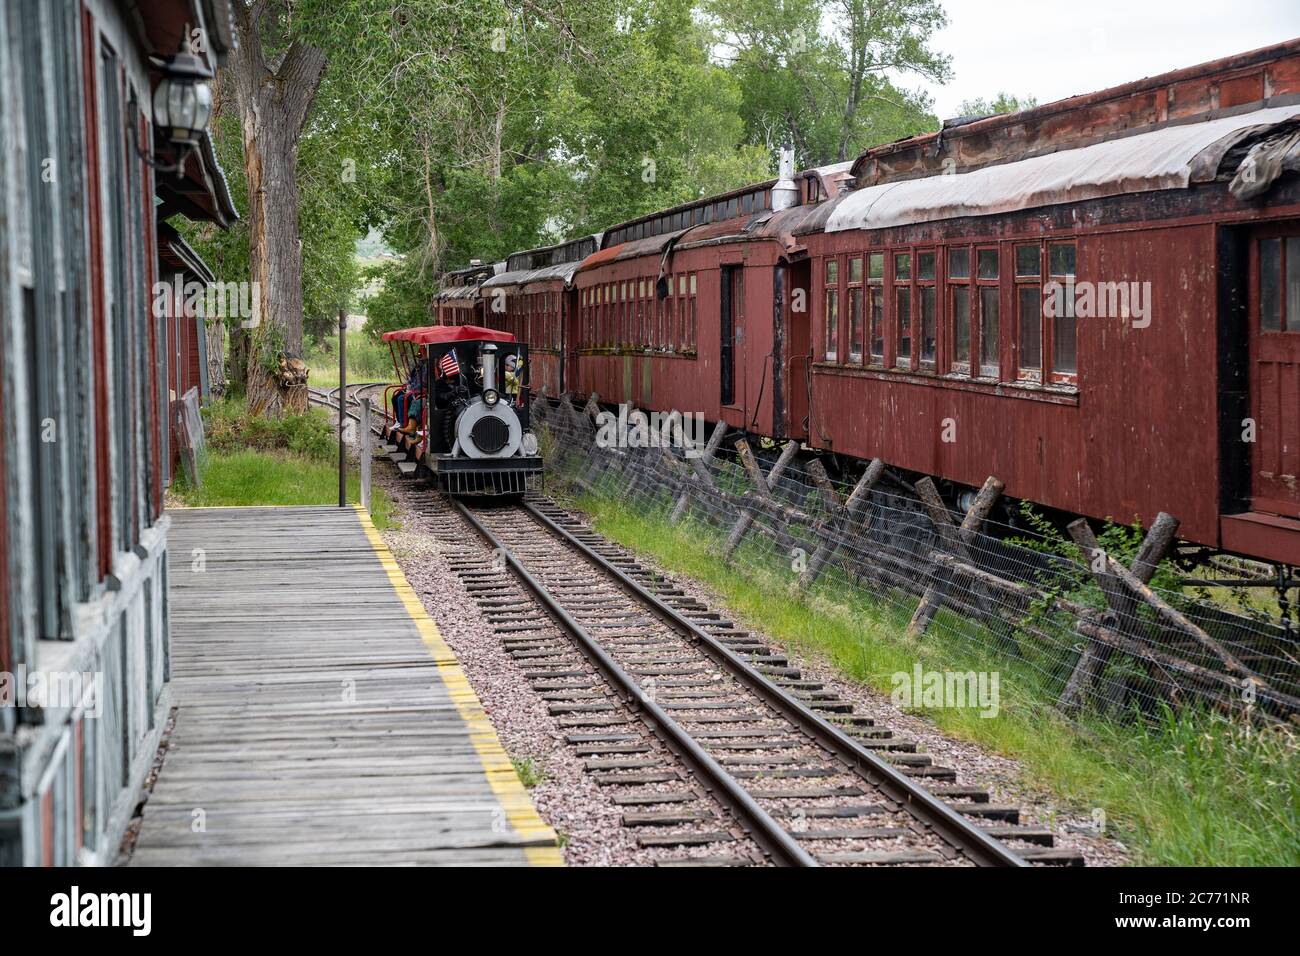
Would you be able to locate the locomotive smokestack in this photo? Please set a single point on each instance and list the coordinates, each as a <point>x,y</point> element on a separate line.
<point>489,360</point>
<point>785,193</point>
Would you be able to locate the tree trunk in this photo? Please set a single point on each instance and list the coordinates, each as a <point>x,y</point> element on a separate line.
<point>274,101</point>
<point>215,331</point>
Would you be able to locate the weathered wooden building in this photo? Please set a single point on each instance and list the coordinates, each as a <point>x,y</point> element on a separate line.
<point>84,388</point>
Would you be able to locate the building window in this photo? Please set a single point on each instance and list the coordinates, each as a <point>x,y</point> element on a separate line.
<point>1061,264</point>
<point>855,310</point>
<point>832,315</point>
<point>959,308</point>
<point>1029,313</point>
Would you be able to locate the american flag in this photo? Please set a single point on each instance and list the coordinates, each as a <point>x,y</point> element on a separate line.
<point>447,365</point>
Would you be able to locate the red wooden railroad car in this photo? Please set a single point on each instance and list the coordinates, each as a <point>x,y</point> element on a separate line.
<point>687,309</point>
<point>941,285</point>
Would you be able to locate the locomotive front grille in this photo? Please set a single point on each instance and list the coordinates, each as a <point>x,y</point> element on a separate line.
<point>490,434</point>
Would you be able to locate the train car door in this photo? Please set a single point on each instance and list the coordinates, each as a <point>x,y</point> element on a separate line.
<point>797,358</point>
<point>731,319</point>
<point>1275,370</point>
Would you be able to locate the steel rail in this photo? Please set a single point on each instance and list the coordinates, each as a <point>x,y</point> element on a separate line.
<point>929,810</point>
<point>770,836</point>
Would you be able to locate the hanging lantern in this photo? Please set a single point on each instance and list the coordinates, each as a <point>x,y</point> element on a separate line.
<point>182,100</point>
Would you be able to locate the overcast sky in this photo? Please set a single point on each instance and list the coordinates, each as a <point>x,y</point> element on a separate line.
<point>1052,49</point>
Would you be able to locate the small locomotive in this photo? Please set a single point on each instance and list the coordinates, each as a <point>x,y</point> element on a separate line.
<point>462,415</point>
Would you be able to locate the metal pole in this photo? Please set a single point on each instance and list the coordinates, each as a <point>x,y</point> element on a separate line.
<point>343,389</point>
<point>365,452</point>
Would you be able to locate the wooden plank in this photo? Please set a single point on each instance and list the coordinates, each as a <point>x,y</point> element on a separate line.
<point>320,718</point>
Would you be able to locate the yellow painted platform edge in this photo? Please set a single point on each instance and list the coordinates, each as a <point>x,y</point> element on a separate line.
<point>498,769</point>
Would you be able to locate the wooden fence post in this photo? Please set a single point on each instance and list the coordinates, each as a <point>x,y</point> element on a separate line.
<point>700,464</point>
<point>932,599</point>
<point>364,426</point>
<point>858,500</point>
<point>764,486</point>
<point>1092,661</point>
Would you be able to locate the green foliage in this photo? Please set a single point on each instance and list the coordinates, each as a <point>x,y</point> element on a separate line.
<point>1002,103</point>
<point>230,428</point>
<point>529,772</point>
<point>819,74</point>
<point>369,360</point>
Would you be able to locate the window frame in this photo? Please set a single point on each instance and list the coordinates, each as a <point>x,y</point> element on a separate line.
<point>977,320</point>
<point>831,323</point>
<point>858,287</point>
<point>1020,284</point>
<point>1054,376</point>
<point>952,285</point>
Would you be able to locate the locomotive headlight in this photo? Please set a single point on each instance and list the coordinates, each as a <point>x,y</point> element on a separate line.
<point>490,397</point>
<point>529,444</point>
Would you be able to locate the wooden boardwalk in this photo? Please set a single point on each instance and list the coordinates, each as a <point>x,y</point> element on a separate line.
<point>321,717</point>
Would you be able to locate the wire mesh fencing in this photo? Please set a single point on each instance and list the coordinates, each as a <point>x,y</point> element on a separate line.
<point>1077,623</point>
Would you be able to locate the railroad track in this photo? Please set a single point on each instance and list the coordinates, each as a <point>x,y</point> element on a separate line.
<point>718,751</point>
<point>329,398</point>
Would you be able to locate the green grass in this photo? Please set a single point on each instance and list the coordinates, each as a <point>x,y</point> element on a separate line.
<point>530,774</point>
<point>368,361</point>
<point>1193,790</point>
<point>251,477</point>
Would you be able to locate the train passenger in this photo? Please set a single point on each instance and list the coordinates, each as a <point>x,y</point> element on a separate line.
<point>414,383</point>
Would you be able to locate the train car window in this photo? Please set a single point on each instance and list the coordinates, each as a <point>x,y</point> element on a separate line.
<point>1028,261</point>
<point>929,327</point>
<point>988,263</point>
<point>877,324</point>
<point>855,310</point>
<point>831,333</point>
<point>903,307</point>
<point>961,328</point>
<point>925,265</point>
<point>1062,258</point>
<point>877,265</point>
<point>990,330</point>
<point>902,266</point>
<point>958,263</point>
<point>1065,365</point>
<point>1029,318</point>
<point>690,329</point>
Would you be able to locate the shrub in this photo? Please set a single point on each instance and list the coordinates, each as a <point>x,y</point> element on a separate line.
<point>230,429</point>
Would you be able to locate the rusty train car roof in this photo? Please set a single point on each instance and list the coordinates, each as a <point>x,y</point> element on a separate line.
<point>1170,157</point>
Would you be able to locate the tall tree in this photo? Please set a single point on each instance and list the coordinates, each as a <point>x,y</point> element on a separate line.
<point>821,74</point>
<point>275,76</point>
